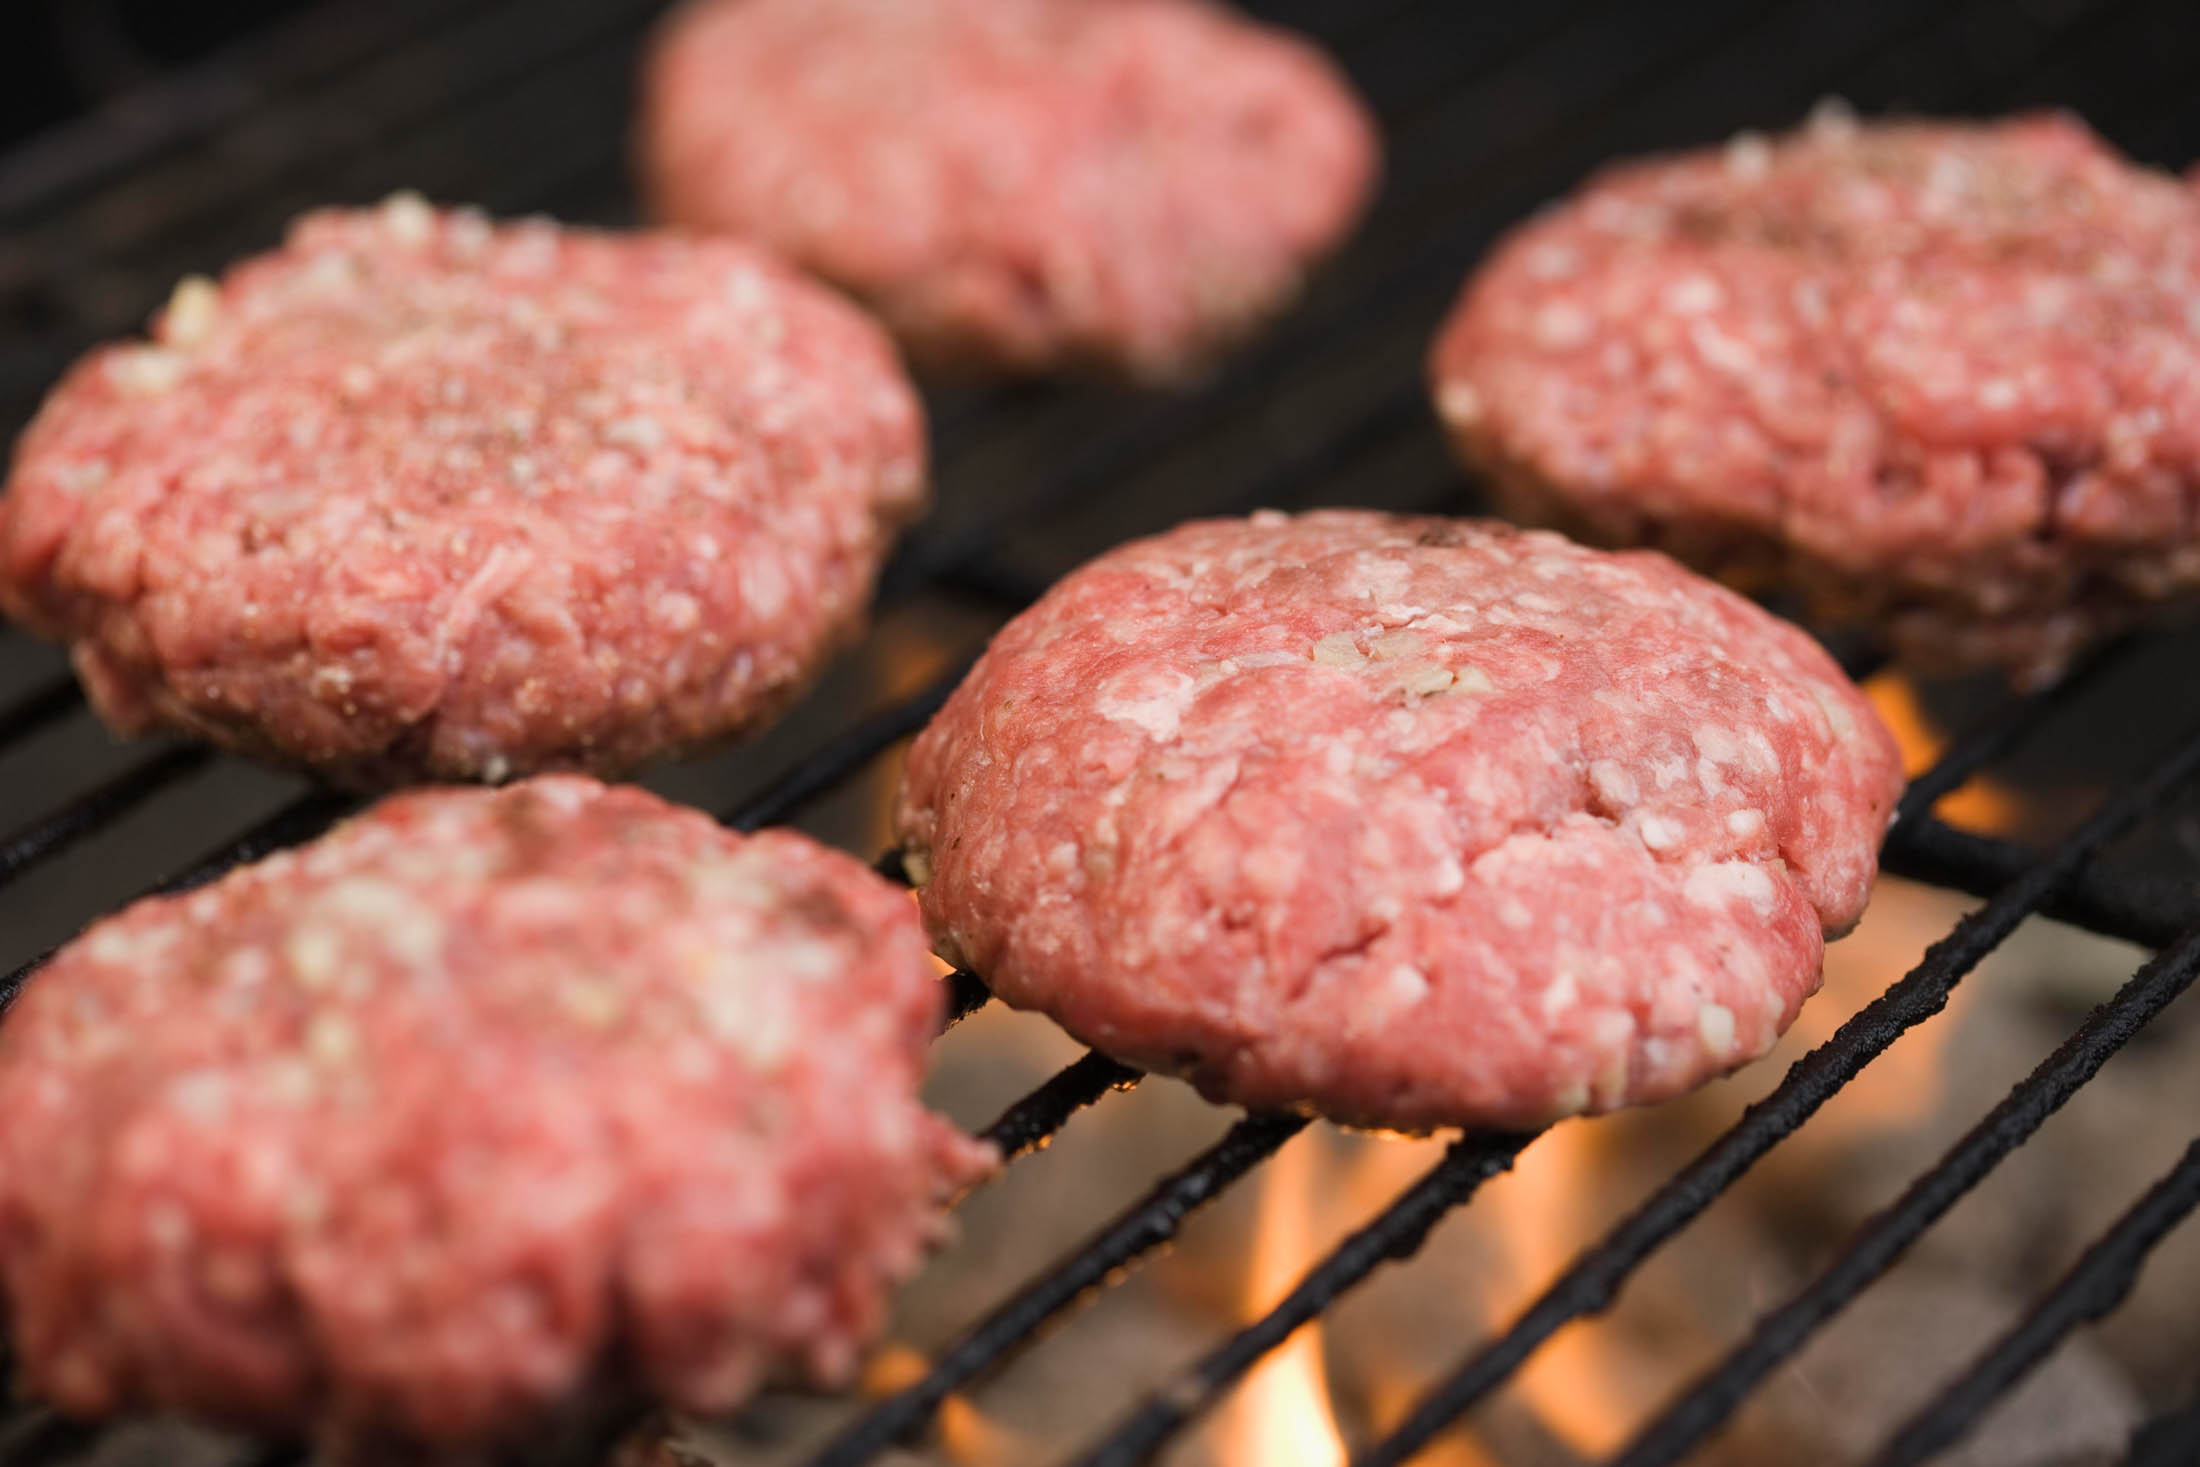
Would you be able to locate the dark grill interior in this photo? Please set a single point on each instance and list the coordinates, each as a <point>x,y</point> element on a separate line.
<point>1489,110</point>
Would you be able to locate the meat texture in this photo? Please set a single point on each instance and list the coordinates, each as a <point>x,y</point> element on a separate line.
<point>482,1104</point>
<point>1943,378</point>
<point>1020,184</point>
<point>1413,822</point>
<point>420,496</point>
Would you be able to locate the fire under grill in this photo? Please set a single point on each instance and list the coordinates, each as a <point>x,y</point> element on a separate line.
<point>1489,110</point>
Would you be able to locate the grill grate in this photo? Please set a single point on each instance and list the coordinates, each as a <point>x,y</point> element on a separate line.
<point>1880,1242</point>
<point>2094,1286</point>
<point>2171,1441</point>
<point>1591,1283</point>
<point>1488,110</point>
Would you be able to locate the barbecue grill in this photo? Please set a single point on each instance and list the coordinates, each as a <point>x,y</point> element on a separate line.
<point>521,105</point>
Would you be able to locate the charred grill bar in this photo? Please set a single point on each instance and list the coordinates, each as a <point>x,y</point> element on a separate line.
<point>1489,110</point>
<point>2168,1441</point>
<point>2094,1286</point>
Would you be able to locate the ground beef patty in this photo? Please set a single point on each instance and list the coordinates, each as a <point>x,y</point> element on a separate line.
<point>1416,822</point>
<point>484,1097</point>
<point>420,495</point>
<point>1942,377</point>
<point>1015,183</point>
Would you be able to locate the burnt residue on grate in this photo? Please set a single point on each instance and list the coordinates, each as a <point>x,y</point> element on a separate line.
<point>1489,110</point>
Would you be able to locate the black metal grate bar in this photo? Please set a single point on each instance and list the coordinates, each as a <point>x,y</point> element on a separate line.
<point>56,831</point>
<point>837,759</point>
<point>1145,1226</point>
<point>966,994</point>
<point>976,567</point>
<point>813,776</point>
<point>1518,100</point>
<point>280,1454</point>
<point>47,704</point>
<point>2168,1441</point>
<point>294,824</point>
<point>308,147</point>
<point>2095,1285</point>
<point>303,139</point>
<point>1399,290</point>
<point>1590,1284</point>
<point>1031,1122</point>
<point>132,136</point>
<point>2134,906</point>
<point>1877,1245</point>
<point>300,820</point>
<point>1396,1233</point>
<point>2004,730</point>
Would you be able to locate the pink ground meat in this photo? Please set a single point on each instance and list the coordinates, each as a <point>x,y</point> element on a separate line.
<point>1942,377</point>
<point>1130,184</point>
<point>1415,822</point>
<point>486,1100</point>
<point>417,495</point>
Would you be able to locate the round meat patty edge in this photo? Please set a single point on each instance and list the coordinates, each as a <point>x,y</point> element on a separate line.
<point>1255,802</point>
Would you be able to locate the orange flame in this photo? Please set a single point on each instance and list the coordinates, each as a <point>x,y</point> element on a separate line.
<point>975,1439</point>
<point>1982,804</point>
<point>1576,1384</point>
<point>1394,1379</point>
<point>1281,1415</point>
<point>968,1437</point>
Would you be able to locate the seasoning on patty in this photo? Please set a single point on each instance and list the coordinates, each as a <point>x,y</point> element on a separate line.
<point>1019,184</point>
<point>420,496</point>
<point>1941,377</point>
<point>484,1102</point>
<point>1413,822</point>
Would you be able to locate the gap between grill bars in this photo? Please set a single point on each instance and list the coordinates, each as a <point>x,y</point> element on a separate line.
<point>2168,1441</point>
<point>1410,288</point>
<point>1980,863</point>
<point>1591,1283</point>
<point>1540,117</point>
<point>2095,1285</point>
<point>1879,1242</point>
<point>2040,884</point>
<point>1153,1221</point>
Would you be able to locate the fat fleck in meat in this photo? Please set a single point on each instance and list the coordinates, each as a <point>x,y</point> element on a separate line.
<point>1016,184</point>
<point>1942,377</point>
<point>1413,822</point>
<point>421,496</point>
<point>481,1104</point>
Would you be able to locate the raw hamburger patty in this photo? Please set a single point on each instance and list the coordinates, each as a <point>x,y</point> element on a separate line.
<point>1416,822</point>
<point>486,1097</point>
<point>416,495</point>
<point>1943,377</point>
<point>1016,183</point>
